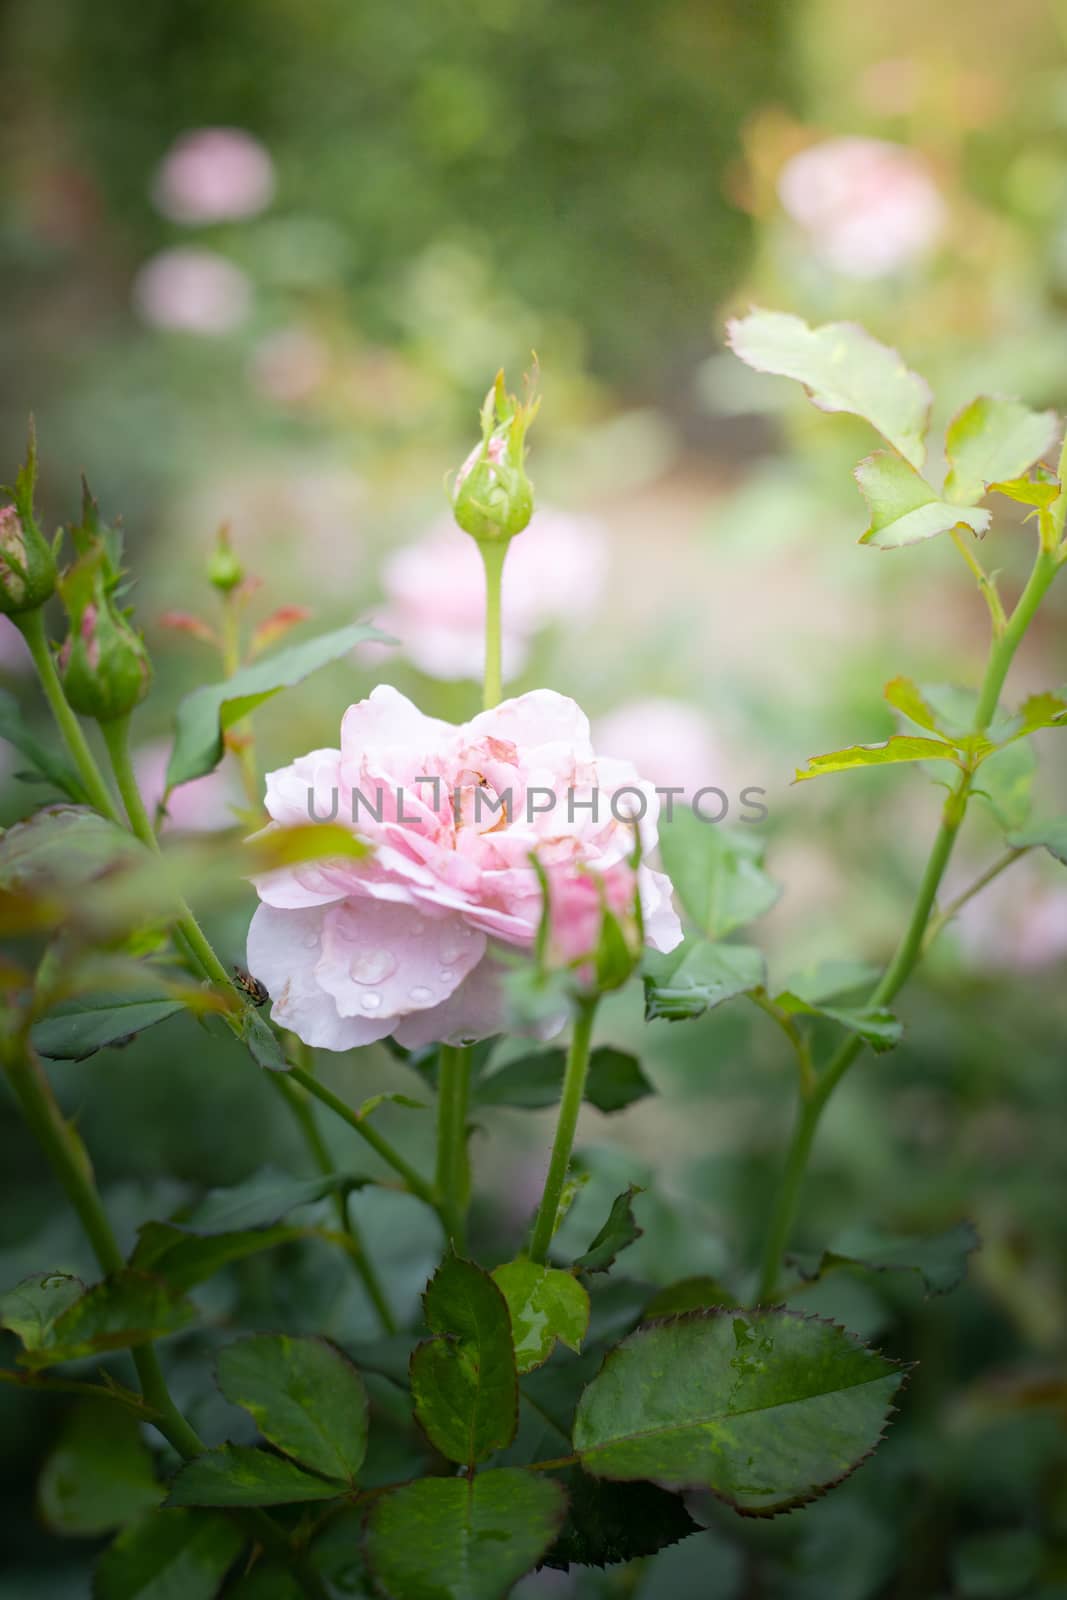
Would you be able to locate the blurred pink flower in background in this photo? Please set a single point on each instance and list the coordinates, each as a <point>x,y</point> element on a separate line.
<point>868,207</point>
<point>435,589</point>
<point>14,656</point>
<point>669,741</point>
<point>290,365</point>
<point>214,175</point>
<point>192,291</point>
<point>203,806</point>
<point>1019,922</point>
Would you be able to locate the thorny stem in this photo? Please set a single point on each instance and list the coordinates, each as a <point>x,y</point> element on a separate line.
<point>810,1106</point>
<point>31,626</point>
<point>986,583</point>
<point>569,1107</point>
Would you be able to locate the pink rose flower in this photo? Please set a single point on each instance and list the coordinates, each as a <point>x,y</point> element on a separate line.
<point>868,207</point>
<point>214,175</point>
<point>406,942</point>
<point>192,291</point>
<point>554,572</point>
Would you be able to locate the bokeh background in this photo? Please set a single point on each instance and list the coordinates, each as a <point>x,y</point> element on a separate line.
<point>258,264</point>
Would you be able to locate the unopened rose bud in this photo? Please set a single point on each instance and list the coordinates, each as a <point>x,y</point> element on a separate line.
<point>27,564</point>
<point>492,498</point>
<point>103,664</point>
<point>224,570</point>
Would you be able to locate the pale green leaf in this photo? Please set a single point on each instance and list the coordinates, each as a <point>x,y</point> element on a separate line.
<point>454,1539</point>
<point>843,369</point>
<point>907,698</point>
<point>876,1026</point>
<point>696,977</point>
<point>1051,834</point>
<point>546,1305</point>
<point>903,747</point>
<point>904,509</point>
<point>991,441</point>
<point>716,872</point>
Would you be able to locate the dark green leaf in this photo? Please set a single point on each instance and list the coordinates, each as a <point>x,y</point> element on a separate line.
<point>31,1308</point>
<point>993,440</point>
<point>618,1232</point>
<point>453,1539</point>
<point>939,1260</point>
<point>127,1309</point>
<point>45,761</point>
<point>716,873</point>
<point>614,1080</point>
<point>765,1408</point>
<point>609,1523</point>
<point>843,369</point>
<point>261,1200</point>
<point>204,715</point>
<point>169,1555</point>
<point>307,1398</point>
<point>545,1304</point>
<point>904,509</point>
<point>238,1475</point>
<point>186,1259</point>
<point>696,977</point>
<point>1051,834</point>
<point>903,747</point>
<point>463,1381</point>
<point>699,1293</point>
<point>78,1028</point>
<point>98,1475</point>
<point>266,1583</point>
<point>263,1043</point>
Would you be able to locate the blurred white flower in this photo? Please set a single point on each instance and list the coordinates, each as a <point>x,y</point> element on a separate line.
<point>669,741</point>
<point>192,291</point>
<point>868,207</point>
<point>203,806</point>
<point>435,590</point>
<point>214,175</point>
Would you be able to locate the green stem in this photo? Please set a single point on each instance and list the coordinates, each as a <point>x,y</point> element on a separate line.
<point>304,1116</point>
<point>243,741</point>
<point>117,738</point>
<point>453,1165</point>
<point>953,909</point>
<point>569,1107</point>
<point>31,626</point>
<point>69,1161</point>
<point>494,554</point>
<point>810,1106</point>
<point>417,1185</point>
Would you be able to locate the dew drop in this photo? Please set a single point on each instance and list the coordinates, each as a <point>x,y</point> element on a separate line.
<point>420,994</point>
<point>445,974</point>
<point>370,1001</point>
<point>372,966</point>
<point>309,941</point>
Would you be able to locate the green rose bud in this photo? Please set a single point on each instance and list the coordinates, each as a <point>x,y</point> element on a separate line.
<point>27,564</point>
<point>224,570</point>
<point>103,664</point>
<point>492,498</point>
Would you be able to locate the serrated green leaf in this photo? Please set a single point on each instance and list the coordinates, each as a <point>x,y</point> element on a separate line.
<point>902,747</point>
<point>454,1539</point>
<point>185,1259</point>
<point>98,1475</point>
<point>260,1201</point>
<point>306,1397</point>
<point>904,509</point>
<point>614,1080</point>
<point>239,1475</point>
<point>696,976</point>
<point>699,1293</point>
<point>875,1025</point>
<point>843,369</point>
<point>1043,710</point>
<point>619,1231</point>
<point>127,1309</point>
<point>204,715</point>
<point>1040,491</point>
<point>48,764</point>
<point>546,1305</point>
<point>169,1555</point>
<point>765,1408</point>
<point>940,1259</point>
<point>716,873</point>
<point>75,1029</point>
<point>994,440</point>
<point>1050,834</point>
<point>463,1381</point>
<point>907,698</point>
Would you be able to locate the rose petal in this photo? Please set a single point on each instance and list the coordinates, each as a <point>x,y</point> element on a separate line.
<point>284,948</point>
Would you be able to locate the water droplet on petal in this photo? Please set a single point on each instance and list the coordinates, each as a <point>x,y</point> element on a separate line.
<point>420,994</point>
<point>310,941</point>
<point>372,966</point>
<point>370,1001</point>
